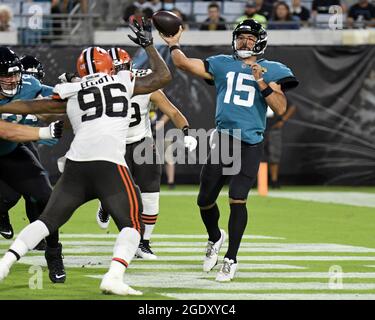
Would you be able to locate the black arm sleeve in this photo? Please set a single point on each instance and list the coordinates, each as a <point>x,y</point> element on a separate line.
<point>288,83</point>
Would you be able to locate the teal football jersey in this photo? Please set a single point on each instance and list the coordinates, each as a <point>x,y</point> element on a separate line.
<point>239,102</point>
<point>30,89</point>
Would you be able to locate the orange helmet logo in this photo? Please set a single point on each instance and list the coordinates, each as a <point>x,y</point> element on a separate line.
<point>93,60</point>
<point>121,59</point>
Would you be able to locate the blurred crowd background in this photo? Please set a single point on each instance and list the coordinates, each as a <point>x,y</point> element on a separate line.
<point>50,21</point>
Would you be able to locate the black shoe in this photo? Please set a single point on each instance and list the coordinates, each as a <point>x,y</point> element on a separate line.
<point>102,218</point>
<point>41,246</point>
<point>171,186</point>
<point>144,251</point>
<point>55,264</point>
<point>6,229</point>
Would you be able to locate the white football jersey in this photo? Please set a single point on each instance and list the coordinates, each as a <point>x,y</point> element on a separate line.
<point>99,111</point>
<point>140,124</point>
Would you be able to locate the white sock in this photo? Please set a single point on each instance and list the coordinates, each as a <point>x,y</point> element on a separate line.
<point>149,228</point>
<point>150,201</point>
<point>124,250</point>
<point>29,237</point>
<point>9,259</point>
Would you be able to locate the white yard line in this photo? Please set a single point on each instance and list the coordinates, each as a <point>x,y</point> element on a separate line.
<point>275,258</point>
<point>79,260</point>
<point>200,250</point>
<point>269,296</point>
<point>139,264</point>
<point>361,199</point>
<point>158,236</point>
<point>192,281</point>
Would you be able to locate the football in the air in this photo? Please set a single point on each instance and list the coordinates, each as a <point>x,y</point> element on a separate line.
<point>166,22</point>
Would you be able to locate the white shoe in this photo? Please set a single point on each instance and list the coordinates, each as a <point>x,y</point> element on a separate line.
<point>4,271</point>
<point>212,252</point>
<point>227,271</point>
<point>102,218</point>
<point>144,251</point>
<point>112,285</point>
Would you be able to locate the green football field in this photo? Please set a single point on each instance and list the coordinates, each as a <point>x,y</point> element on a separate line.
<point>300,243</point>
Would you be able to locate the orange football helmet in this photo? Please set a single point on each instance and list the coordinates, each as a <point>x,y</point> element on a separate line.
<point>121,59</point>
<point>93,60</point>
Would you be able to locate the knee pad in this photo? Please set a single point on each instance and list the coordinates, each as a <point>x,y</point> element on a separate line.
<point>150,202</point>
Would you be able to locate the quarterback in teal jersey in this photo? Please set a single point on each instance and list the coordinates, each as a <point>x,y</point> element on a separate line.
<point>19,168</point>
<point>246,85</point>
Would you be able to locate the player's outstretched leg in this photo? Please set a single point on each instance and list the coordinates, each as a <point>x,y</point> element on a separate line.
<point>236,226</point>
<point>211,183</point>
<point>29,237</point>
<point>102,217</point>
<point>122,199</point>
<point>150,213</point>
<point>123,252</point>
<point>216,237</point>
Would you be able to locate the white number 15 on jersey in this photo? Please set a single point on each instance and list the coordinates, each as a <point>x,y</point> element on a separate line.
<point>240,87</point>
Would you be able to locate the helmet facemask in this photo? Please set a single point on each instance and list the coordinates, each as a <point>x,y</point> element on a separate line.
<point>254,28</point>
<point>10,82</point>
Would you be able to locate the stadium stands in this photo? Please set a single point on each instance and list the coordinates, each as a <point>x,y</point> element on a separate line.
<point>37,22</point>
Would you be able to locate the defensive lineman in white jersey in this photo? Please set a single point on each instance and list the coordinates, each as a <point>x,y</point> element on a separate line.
<point>146,176</point>
<point>97,108</point>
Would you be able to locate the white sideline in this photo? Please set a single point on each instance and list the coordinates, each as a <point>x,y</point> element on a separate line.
<point>192,281</point>
<point>360,199</point>
<point>158,236</point>
<point>270,296</point>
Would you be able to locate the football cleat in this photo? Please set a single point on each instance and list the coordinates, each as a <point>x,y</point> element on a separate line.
<point>113,285</point>
<point>55,264</point>
<point>144,251</point>
<point>4,270</point>
<point>6,229</point>
<point>227,271</point>
<point>212,252</point>
<point>102,218</point>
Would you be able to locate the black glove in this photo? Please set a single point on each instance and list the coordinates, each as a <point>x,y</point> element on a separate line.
<point>56,129</point>
<point>67,77</point>
<point>143,33</point>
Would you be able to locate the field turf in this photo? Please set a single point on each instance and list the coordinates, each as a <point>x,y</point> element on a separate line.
<point>293,249</point>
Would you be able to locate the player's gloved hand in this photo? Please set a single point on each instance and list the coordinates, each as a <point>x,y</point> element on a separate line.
<point>190,143</point>
<point>67,77</point>
<point>48,142</point>
<point>143,33</point>
<point>54,130</point>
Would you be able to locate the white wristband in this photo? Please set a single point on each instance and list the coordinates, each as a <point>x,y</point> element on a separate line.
<point>261,79</point>
<point>45,133</point>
